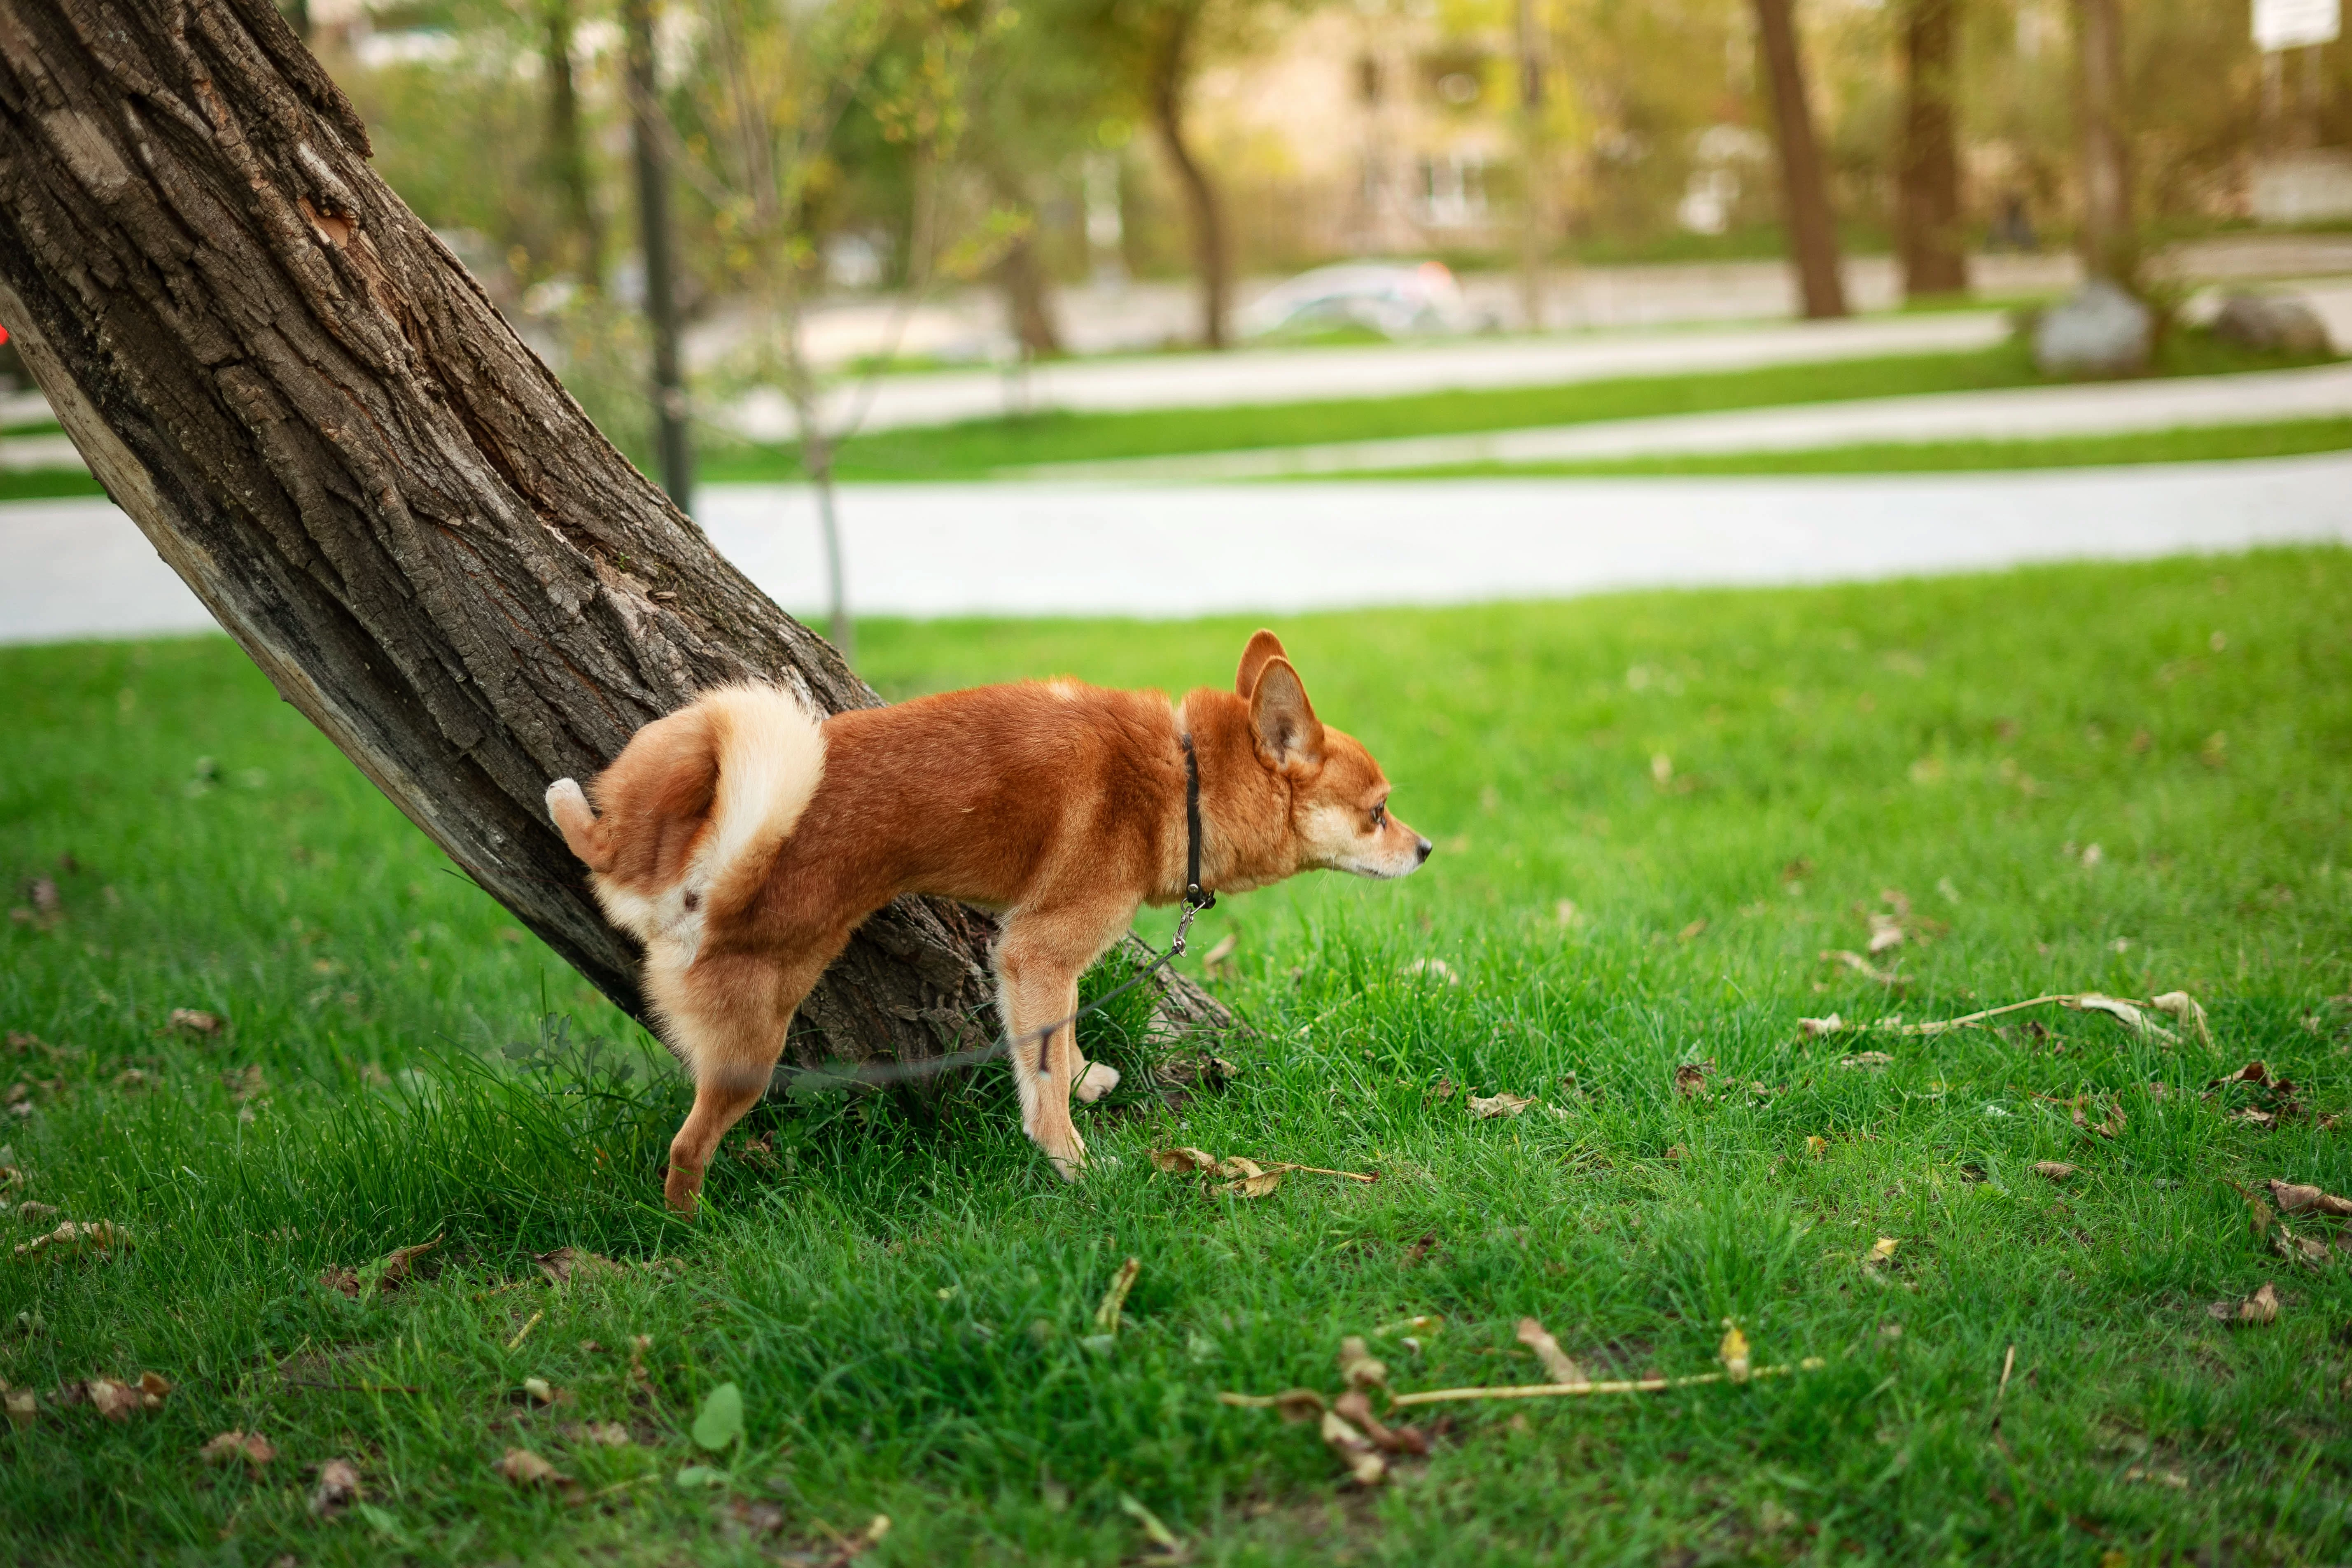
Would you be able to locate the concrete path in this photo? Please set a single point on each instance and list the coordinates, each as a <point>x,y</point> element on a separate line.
<point>79,569</point>
<point>2017,414</point>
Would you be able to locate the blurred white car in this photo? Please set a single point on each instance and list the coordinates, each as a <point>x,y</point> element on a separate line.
<point>1393,299</point>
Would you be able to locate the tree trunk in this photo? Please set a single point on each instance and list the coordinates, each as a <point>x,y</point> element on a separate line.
<point>567,149</point>
<point>1172,69</point>
<point>319,420</point>
<point>674,449</point>
<point>1028,298</point>
<point>1536,158</point>
<point>2107,243</point>
<point>1805,191</point>
<point>1928,219</point>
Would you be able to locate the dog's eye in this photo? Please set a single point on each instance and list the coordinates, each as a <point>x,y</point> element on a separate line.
<point>1380,815</point>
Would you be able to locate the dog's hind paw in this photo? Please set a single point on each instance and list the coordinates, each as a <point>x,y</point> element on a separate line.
<point>1099,1079</point>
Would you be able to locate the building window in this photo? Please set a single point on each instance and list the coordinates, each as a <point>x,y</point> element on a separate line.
<point>1453,190</point>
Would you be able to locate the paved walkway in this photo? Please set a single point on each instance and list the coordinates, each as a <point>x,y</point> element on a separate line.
<point>79,568</point>
<point>2017,414</point>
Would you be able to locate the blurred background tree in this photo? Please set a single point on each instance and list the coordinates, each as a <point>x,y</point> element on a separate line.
<point>1010,151</point>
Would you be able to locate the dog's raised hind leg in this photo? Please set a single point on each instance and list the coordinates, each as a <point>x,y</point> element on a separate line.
<point>728,1017</point>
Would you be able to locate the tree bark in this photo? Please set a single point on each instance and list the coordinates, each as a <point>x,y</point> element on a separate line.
<point>1928,219</point>
<point>1029,298</point>
<point>1535,157</point>
<point>1171,76</point>
<point>321,423</point>
<point>2108,243</point>
<point>1804,190</point>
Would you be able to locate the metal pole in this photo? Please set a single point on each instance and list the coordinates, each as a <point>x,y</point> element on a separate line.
<point>674,453</point>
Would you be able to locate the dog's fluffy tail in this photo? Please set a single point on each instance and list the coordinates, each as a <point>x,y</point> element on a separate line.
<point>694,809</point>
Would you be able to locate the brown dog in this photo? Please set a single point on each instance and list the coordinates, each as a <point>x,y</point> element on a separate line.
<point>741,840</point>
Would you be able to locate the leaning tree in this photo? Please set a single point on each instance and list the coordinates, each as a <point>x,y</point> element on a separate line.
<point>321,423</point>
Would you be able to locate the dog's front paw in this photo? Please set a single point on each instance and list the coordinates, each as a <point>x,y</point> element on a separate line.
<point>1099,1079</point>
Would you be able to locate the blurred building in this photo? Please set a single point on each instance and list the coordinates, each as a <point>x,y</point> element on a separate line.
<point>1360,133</point>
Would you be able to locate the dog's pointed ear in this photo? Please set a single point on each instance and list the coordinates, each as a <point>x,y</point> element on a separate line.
<point>1264,646</point>
<point>1287,730</point>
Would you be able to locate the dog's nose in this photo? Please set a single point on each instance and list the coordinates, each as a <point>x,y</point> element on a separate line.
<point>1422,849</point>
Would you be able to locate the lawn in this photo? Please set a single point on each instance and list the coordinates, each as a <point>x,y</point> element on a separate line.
<point>1722,785</point>
<point>978,449</point>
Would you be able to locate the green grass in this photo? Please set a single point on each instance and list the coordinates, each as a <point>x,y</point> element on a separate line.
<point>978,448</point>
<point>42,484</point>
<point>2200,444</point>
<point>904,1300</point>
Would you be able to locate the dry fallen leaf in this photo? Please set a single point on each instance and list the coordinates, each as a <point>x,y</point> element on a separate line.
<point>252,1447</point>
<point>1885,932</point>
<point>1182,1159</point>
<point>1356,1408</point>
<point>2181,1006</point>
<point>193,1021</point>
<point>1213,961</point>
<point>1814,1026</point>
<point>866,1540</point>
<point>1437,968</point>
<point>1495,1105</point>
<point>2125,1013</point>
<point>1250,1179</point>
<point>84,1235</point>
<point>759,1518</point>
<point>539,1390</point>
<point>117,1401</point>
<point>1870,1060</point>
<point>1561,1366</point>
<point>525,1468</point>
<point>23,1406</point>
<point>1690,1078</point>
<point>385,1275</point>
<point>1293,1405</point>
<point>2303,1249</point>
<point>568,1263</point>
<point>1883,1250</point>
<point>338,1489</point>
<point>1860,965</point>
<point>2292,1198</point>
<point>2158,1478</point>
<point>1816,1145</point>
<point>603,1433</point>
<point>1362,1456</point>
<point>1733,1352</point>
<point>2262,1307</point>
<point>2109,1125</point>
<point>1358,1368</point>
<point>2055,1170</point>
<point>1113,1302</point>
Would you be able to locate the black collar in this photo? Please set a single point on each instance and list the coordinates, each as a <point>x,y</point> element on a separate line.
<point>1193,896</point>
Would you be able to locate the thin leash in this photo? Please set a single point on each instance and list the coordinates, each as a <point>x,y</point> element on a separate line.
<point>1195,900</point>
